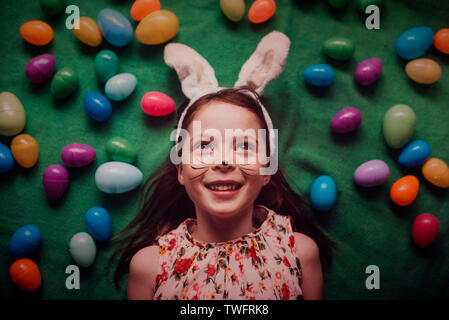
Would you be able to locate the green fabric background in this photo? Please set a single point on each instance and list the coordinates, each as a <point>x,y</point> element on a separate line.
<point>370,229</point>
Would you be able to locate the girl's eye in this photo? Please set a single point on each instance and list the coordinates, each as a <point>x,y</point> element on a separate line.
<point>245,146</point>
<point>206,145</point>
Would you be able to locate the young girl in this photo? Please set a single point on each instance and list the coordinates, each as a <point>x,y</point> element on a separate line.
<point>221,229</point>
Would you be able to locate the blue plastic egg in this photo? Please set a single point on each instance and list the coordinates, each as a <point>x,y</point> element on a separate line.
<point>414,42</point>
<point>414,154</point>
<point>83,249</point>
<point>98,223</point>
<point>117,177</point>
<point>24,241</point>
<point>6,159</point>
<point>321,75</point>
<point>97,106</point>
<point>323,194</point>
<point>114,26</point>
<point>120,86</point>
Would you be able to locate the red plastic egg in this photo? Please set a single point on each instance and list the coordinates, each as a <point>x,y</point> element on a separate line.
<point>425,229</point>
<point>25,274</point>
<point>261,10</point>
<point>157,104</point>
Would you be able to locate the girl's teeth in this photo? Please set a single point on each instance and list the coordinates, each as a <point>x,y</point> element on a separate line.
<point>223,187</point>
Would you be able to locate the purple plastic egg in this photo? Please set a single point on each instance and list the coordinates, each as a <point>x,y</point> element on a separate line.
<point>346,120</point>
<point>40,68</point>
<point>77,155</point>
<point>368,71</point>
<point>55,180</point>
<point>372,173</point>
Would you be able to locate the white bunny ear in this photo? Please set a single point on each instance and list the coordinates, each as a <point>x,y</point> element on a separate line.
<point>266,63</point>
<point>194,72</point>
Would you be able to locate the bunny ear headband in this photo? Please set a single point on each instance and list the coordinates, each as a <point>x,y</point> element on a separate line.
<point>197,77</point>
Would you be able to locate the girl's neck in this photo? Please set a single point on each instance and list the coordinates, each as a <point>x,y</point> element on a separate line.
<point>215,229</point>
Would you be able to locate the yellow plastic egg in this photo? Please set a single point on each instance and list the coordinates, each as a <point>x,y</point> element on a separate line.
<point>25,150</point>
<point>436,172</point>
<point>157,27</point>
<point>12,114</point>
<point>424,71</point>
<point>88,32</point>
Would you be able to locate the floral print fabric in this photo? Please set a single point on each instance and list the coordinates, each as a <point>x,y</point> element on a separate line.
<point>258,265</point>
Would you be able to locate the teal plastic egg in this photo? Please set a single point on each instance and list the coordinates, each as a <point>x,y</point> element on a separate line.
<point>323,194</point>
<point>83,249</point>
<point>106,65</point>
<point>117,177</point>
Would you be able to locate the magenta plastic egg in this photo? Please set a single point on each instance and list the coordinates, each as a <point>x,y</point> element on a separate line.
<point>55,181</point>
<point>157,104</point>
<point>368,71</point>
<point>77,155</point>
<point>40,68</point>
<point>346,120</point>
<point>372,173</point>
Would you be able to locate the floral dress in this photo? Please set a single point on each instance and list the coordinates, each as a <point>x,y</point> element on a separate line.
<point>258,265</point>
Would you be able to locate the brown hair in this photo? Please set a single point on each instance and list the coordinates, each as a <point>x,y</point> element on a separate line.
<point>164,203</point>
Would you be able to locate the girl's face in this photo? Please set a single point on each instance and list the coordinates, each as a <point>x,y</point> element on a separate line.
<point>218,189</point>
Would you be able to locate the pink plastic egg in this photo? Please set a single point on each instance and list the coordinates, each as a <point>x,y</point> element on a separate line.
<point>157,104</point>
<point>77,155</point>
<point>55,181</point>
<point>425,229</point>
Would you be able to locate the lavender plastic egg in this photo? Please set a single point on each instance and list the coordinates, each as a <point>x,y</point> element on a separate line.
<point>346,120</point>
<point>55,181</point>
<point>77,155</point>
<point>40,68</point>
<point>368,71</point>
<point>372,173</point>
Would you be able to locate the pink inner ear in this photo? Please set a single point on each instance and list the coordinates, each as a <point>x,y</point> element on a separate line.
<point>259,74</point>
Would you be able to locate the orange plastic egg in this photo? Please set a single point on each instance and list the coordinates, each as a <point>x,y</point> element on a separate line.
<point>88,33</point>
<point>25,150</point>
<point>441,40</point>
<point>436,171</point>
<point>157,27</point>
<point>404,191</point>
<point>36,32</point>
<point>141,8</point>
<point>261,10</point>
<point>25,274</point>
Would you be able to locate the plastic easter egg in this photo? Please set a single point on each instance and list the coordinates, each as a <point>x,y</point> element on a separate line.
<point>414,154</point>
<point>36,32</point>
<point>368,71</point>
<point>372,173</point>
<point>120,149</point>
<point>83,249</point>
<point>64,83</point>
<point>157,27</point>
<point>363,4</point>
<point>414,42</point>
<point>321,75</point>
<point>323,194</point>
<point>6,159</point>
<point>55,180</point>
<point>441,40</point>
<point>88,33</point>
<point>40,68</point>
<point>115,27</point>
<point>436,171</point>
<point>97,106</point>
<point>346,120</point>
<point>261,11</point>
<point>77,155</point>
<point>398,125</point>
<point>423,71</point>
<point>53,7</point>
<point>339,48</point>
<point>157,104</point>
<point>120,86</point>
<point>338,3</point>
<point>404,191</point>
<point>98,223</point>
<point>26,274</point>
<point>425,229</point>
<point>24,241</point>
<point>141,8</point>
<point>117,177</point>
<point>12,114</point>
<point>25,150</point>
<point>234,10</point>
<point>106,65</point>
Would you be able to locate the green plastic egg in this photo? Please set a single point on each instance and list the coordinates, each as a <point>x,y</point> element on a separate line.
<point>53,7</point>
<point>234,10</point>
<point>399,124</point>
<point>64,83</point>
<point>106,65</point>
<point>339,48</point>
<point>362,4</point>
<point>338,3</point>
<point>120,149</point>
